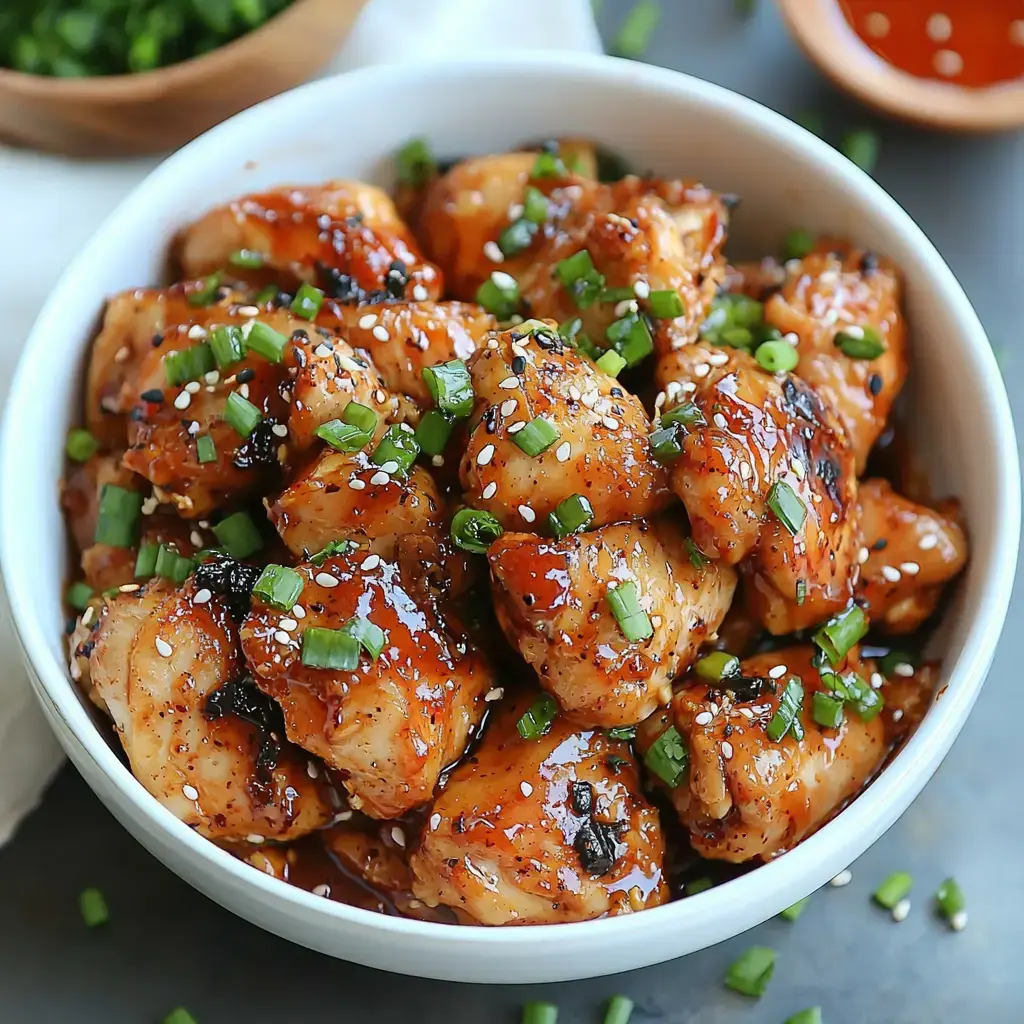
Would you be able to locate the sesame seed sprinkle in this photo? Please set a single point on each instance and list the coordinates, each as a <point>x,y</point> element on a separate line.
<point>381,333</point>
<point>563,451</point>
<point>863,555</point>
<point>493,694</point>
<point>298,611</point>
<point>844,877</point>
<point>777,672</point>
<point>183,400</point>
<point>380,478</point>
<point>509,406</point>
<point>525,788</point>
<point>527,513</point>
<point>718,358</point>
<point>279,430</point>
<point>509,383</point>
<point>435,820</point>
<point>490,490</point>
<point>891,573</point>
<point>288,624</point>
<point>419,293</point>
<point>904,669</point>
<point>900,911</point>
<point>325,579</point>
<point>876,680</point>
<point>190,792</point>
<point>391,466</point>
<point>356,484</point>
<point>370,562</point>
<point>610,422</point>
<point>163,648</point>
<point>641,289</point>
<point>493,253</point>
<point>282,637</point>
<point>398,835</point>
<point>910,568</point>
<point>726,749</point>
<point>958,922</point>
<point>701,370</point>
<point>928,541</point>
<point>485,455</point>
<point>704,718</point>
<point>322,351</point>
<point>367,320</point>
<point>244,390</point>
<point>720,421</point>
<point>197,331</point>
<point>129,588</point>
<point>745,470</point>
<point>323,889</point>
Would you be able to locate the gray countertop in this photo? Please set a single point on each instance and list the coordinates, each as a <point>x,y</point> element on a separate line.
<point>167,946</point>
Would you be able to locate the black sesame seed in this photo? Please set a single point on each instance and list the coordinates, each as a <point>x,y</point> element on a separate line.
<point>875,383</point>
<point>154,395</point>
<point>868,263</point>
<point>880,545</point>
<point>518,365</point>
<point>246,375</point>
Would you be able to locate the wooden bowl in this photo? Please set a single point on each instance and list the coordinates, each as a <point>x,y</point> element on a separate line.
<point>116,115</point>
<point>825,35</point>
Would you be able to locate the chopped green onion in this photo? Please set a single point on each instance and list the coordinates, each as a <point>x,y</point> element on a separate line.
<point>750,974</point>
<point>93,907</point>
<point>369,635</point>
<point>307,301</point>
<point>397,446</point>
<point>81,445</point>
<point>717,666</point>
<point>787,716</point>
<point>434,431</point>
<point>535,205</point>
<point>204,295</point>
<point>616,294</point>
<point>777,356</point>
<point>549,165</point>
<point>336,547</point>
<point>631,338</point>
<point>798,244</point>
<point>227,345</point>
<point>620,1009</point>
<point>698,885</point>
<point>188,364</point>
<point>145,560</point>
<point>841,632</point>
<point>866,701</point>
<point>239,535</point>
<point>685,415</point>
<point>893,889</point>
<point>667,444</point>
<point>474,530</point>
<point>537,720</point>
<point>571,332</point>
<point>360,416</point>
<point>736,337</point>
<point>637,30</point>
<point>611,363</point>
<point>450,387</point>
<point>266,295</point>
<point>859,342</point>
<point>266,342</point>
<point>241,414</point>
<point>812,1015</point>
<point>344,437</point>
<point>625,733</point>
<point>206,450</point>
<point>950,899</point>
<point>517,237</point>
<point>580,278</point>
<point>862,148</point>
<point>250,259</point>
<point>179,1016</point>
<point>79,595</point>
<point>415,163</point>
<point>536,437</point>
<point>118,518</point>
<point>330,648</point>
<point>666,304</point>
<point>499,295</point>
<point>788,507</point>
<point>896,663</point>
<point>801,591</point>
<point>171,565</point>
<point>573,515</point>
<point>827,711</point>
<point>697,557</point>
<point>793,912</point>
<point>624,601</point>
<point>279,586</point>
<point>667,757</point>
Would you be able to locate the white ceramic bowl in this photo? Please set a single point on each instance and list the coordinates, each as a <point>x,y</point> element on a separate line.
<point>348,126</point>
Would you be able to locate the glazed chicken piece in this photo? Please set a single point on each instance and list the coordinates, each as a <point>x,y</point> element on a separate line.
<point>764,439</point>
<point>344,495</point>
<point>344,236</point>
<point>744,796</point>
<point>552,603</point>
<point>392,724</point>
<point>835,292</point>
<point>601,450</point>
<point>160,661</point>
<point>539,831</point>
<point>911,553</point>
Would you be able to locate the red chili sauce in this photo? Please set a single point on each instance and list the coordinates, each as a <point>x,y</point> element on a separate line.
<point>972,43</point>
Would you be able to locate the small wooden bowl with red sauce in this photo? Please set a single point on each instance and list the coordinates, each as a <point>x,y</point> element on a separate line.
<point>944,63</point>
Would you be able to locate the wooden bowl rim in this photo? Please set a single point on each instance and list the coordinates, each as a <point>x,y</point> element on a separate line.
<point>149,84</point>
<point>825,36</point>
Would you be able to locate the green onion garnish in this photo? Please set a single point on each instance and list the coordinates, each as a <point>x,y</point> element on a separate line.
<point>685,415</point>
<point>611,363</point>
<point>698,885</point>
<point>697,557</point>
<point>267,342</point>
<point>434,431</point>
<point>179,1016</point>
<point>145,561</point>
<point>80,445</point>
<point>330,648</point>
<point>801,591</point>
<point>549,165</point>
<point>344,437</point>
<point>798,244</point>
<point>188,364</point>
<point>241,414</point>
<point>250,259</point>
<point>616,294</point>
<point>266,295</point>
<point>625,733</point>
<point>538,718</point>
<point>789,509</point>
<point>307,301</point>
<point>474,530</point>
<point>206,450</point>
<point>207,292</point>
<point>840,633</point>
<point>535,205</point>
<point>79,595</point>
<point>631,338</point>
<point>336,547</point>
<point>624,601</point>
<point>827,711</point>
<point>751,973</point>
<point>787,716</point>
<point>573,515</point>
<point>517,237</point>
<point>170,565</point>
<point>862,148</point>
<point>950,899</point>
<point>667,757</point>
<point>279,586</point>
<point>93,907</point>
<point>360,416</point>
<point>637,30</point>
<point>227,345</point>
<point>897,663</point>
<point>499,295</point>
<point>414,163</point>
<point>239,535</point>
<point>893,889</point>
<point>620,1009</point>
<point>666,304</point>
<point>812,1015</point>
<point>865,700</point>
<point>536,437</point>
<point>450,387</point>
<point>859,342</point>
<point>717,666</point>
<point>777,356</point>
<point>667,444</point>
<point>118,518</point>
<point>793,912</point>
<point>369,635</point>
<point>572,334</point>
<point>397,451</point>
<point>580,279</point>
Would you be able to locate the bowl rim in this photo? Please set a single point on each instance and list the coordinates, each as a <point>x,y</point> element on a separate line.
<point>801,870</point>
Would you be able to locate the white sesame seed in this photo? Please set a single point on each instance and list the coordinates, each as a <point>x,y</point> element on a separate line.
<point>515,211</point>
<point>574,392</point>
<point>370,562</point>
<point>255,838</point>
<point>720,421</point>
<point>288,624</point>
<point>367,320</point>
<point>897,714</point>
<point>610,422</point>
<point>641,289</point>
<point>356,484</point>
<point>958,922</point>
<point>325,579</point>
<point>196,538</point>
<point>322,350</point>
<point>398,835</point>
<point>419,293</point>
<point>190,792</point>
<point>777,672</point>
<point>248,310</point>
<point>87,615</point>
<point>563,451</point>
<point>928,541</point>
<point>948,63</point>
<point>298,611</point>
<point>704,718</point>
<point>527,513</point>
<point>485,455</point>
<point>503,280</point>
<point>435,820</point>
<point>244,390</point>
<point>323,889</point>
<point>714,708</point>
<point>746,712</point>
<point>149,505</point>
<point>798,469</point>
<point>495,693</point>
<point>509,383</point>
<point>726,749</point>
<point>843,878</point>
<point>342,816</point>
<point>282,637</point>
<point>380,478</point>
<point>490,490</point>
<point>514,428</point>
<point>891,573</point>
<point>509,406</point>
<point>163,647</point>
<point>381,333</point>
<point>876,680</point>
<point>863,555</point>
<point>493,253</point>
<point>903,669</point>
<point>745,471</point>
<point>212,377</point>
<point>197,331</point>
<point>279,430</point>
<point>122,354</point>
<point>526,789</point>
<point>626,306</point>
<point>900,911</point>
<point>391,466</point>
<point>718,358</point>
<point>701,370</point>
<point>939,27</point>
<point>909,568</point>
<point>183,400</point>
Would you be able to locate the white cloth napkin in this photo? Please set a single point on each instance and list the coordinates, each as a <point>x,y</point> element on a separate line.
<point>52,205</point>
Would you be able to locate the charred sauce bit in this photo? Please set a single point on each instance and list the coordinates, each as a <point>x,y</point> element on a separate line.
<point>597,842</point>
<point>229,579</point>
<point>260,448</point>
<point>244,699</point>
